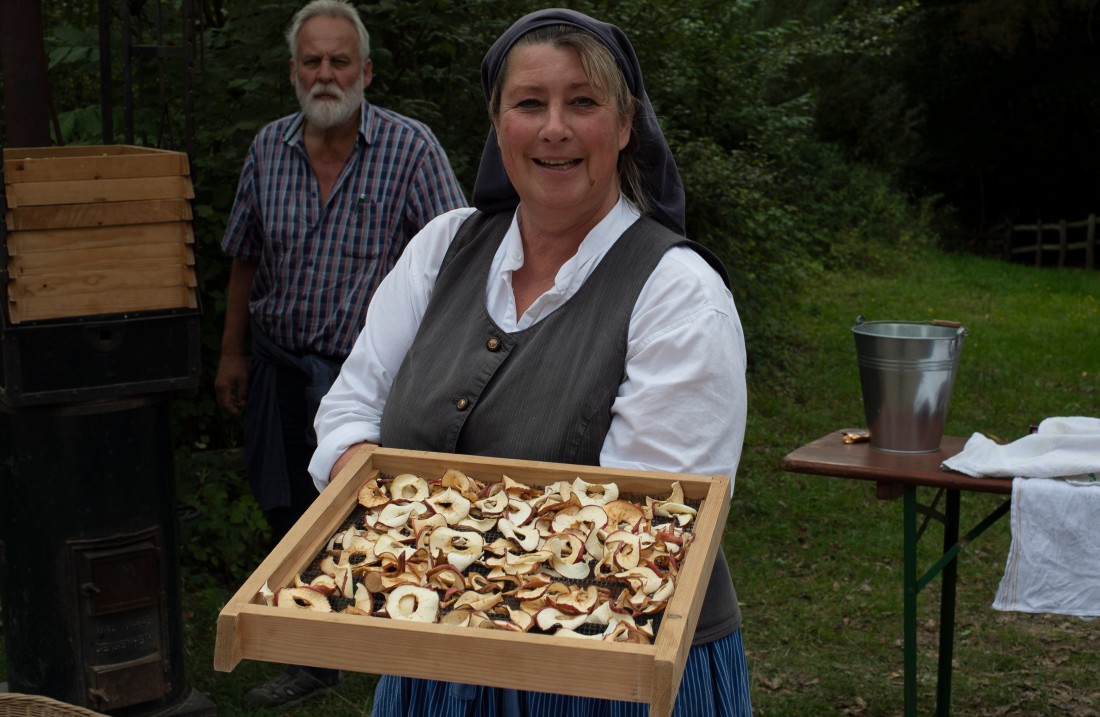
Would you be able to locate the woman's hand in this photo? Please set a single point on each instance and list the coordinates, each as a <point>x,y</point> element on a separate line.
<point>350,453</point>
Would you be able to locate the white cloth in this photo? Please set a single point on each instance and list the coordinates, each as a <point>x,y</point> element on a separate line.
<point>1063,447</point>
<point>682,404</point>
<point>1053,561</point>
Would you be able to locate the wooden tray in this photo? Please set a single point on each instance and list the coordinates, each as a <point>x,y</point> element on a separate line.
<point>250,629</point>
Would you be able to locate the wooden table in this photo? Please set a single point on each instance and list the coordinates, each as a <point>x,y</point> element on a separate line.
<point>900,474</point>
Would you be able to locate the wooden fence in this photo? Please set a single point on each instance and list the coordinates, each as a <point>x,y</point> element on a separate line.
<point>1055,238</point>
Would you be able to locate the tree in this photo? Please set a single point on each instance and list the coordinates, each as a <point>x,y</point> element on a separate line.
<point>26,85</point>
<point>729,84</point>
<point>991,104</point>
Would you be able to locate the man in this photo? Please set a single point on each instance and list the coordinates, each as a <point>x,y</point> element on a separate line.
<point>327,199</point>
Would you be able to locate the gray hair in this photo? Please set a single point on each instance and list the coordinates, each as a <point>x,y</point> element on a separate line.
<point>339,9</point>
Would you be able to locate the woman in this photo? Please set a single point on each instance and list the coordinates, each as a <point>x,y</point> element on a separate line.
<point>566,320</point>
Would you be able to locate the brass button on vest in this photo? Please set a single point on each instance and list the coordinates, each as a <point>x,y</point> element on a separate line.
<point>493,344</point>
<point>461,403</point>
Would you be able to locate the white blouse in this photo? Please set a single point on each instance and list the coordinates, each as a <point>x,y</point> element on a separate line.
<point>681,407</point>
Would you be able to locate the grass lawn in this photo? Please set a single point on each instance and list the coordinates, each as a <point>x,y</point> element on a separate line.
<point>817,561</point>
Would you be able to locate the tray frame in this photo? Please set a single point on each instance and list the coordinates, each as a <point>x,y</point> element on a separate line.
<point>250,629</point>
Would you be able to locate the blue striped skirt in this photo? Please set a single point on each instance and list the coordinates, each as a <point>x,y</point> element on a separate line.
<point>715,682</point>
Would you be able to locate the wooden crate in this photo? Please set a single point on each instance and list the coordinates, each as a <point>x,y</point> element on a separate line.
<point>250,629</point>
<point>94,230</point>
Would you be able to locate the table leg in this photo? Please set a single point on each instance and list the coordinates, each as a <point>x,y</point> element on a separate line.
<point>909,517</point>
<point>947,606</point>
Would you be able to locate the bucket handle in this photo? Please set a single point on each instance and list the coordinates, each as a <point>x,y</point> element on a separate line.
<point>960,333</point>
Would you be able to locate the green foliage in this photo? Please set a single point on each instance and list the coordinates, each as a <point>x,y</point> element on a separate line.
<point>731,83</point>
<point>223,533</point>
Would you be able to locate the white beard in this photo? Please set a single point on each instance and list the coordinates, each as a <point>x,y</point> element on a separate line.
<point>327,114</point>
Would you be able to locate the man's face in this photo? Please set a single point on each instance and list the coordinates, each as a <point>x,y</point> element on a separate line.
<point>328,77</point>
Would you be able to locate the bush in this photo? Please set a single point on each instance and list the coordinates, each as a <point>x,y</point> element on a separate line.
<point>223,533</point>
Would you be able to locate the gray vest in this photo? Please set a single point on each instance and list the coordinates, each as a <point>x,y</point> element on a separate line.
<point>543,393</point>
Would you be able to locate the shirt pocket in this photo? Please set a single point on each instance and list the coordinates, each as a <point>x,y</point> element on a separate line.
<point>363,234</point>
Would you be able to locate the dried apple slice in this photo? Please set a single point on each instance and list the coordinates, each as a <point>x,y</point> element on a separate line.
<point>500,546</point>
<point>552,508</point>
<point>364,601</point>
<point>623,631</point>
<point>357,548</point>
<point>478,601</point>
<point>451,504</point>
<point>481,525</point>
<point>389,545</point>
<point>327,565</point>
<point>412,602</point>
<point>605,568</point>
<point>557,492</point>
<point>625,548</point>
<point>573,571</point>
<point>565,548</point>
<point>683,514</point>
<point>303,598</point>
<point>435,520</point>
<point>527,538</point>
<point>523,620</point>
<point>343,580</point>
<point>408,487</point>
<point>595,493</point>
<point>622,514</point>
<point>515,488</point>
<point>550,617</point>
<point>591,518</point>
<point>469,487</point>
<point>460,618</point>
<point>594,547</point>
<point>444,577</point>
<point>641,579</point>
<point>518,511</point>
<point>371,495</point>
<point>533,589</point>
<point>577,601</point>
<point>399,514</point>
<point>322,583</point>
<point>672,543</point>
<point>605,614</point>
<point>494,503</point>
<point>460,548</point>
<point>567,556</point>
<point>267,594</point>
<point>524,563</point>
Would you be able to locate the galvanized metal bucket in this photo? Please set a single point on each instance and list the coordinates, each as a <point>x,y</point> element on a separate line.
<point>907,372</point>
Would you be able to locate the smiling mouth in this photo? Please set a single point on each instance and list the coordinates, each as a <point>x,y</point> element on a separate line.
<point>557,164</point>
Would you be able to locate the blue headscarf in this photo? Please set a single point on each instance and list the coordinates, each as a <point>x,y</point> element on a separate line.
<point>493,191</point>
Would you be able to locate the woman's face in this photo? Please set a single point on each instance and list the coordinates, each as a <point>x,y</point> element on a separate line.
<point>559,137</point>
